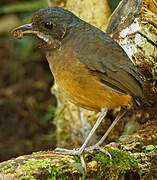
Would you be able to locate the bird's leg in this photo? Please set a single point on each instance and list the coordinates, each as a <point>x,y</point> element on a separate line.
<point>97,145</point>
<point>82,148</point>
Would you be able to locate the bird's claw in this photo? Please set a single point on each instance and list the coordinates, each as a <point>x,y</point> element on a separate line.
<point>67,151</point>
<point>72,152</point>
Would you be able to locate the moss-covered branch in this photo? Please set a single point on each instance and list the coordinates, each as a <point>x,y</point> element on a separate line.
<point>131,159</point>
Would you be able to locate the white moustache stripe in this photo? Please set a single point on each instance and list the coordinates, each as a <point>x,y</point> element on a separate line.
<point>44,37</point>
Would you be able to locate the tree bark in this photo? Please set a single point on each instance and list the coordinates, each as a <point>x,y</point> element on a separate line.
<point>134,26</point>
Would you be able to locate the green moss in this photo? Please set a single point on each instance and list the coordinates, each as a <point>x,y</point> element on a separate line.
<point>76,159</point>
<point>41,170</point>
<point>58,174</point>
<point>39,152</point>
<point>106,169</point>
<point>149,148</point>
<point>120,163</point>
<point>146,162</point>
<point>9,168</point>
<point>31,167</point>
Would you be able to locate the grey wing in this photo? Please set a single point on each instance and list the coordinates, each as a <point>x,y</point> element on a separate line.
<point>105,57</point>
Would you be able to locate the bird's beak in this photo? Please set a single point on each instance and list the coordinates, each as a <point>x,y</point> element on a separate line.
<point>26,29</point>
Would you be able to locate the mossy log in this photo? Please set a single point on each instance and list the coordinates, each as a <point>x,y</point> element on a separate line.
<point>133,157</point>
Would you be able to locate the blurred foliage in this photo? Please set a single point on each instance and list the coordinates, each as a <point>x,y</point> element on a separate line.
<point>23,6</point>
<point>27,106</point>
<point>18,12</point>
<point>24,47</point>
<point>49,115</point>
<point>113,4</point>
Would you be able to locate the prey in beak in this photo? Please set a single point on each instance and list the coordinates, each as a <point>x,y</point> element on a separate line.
<point>26,29</point>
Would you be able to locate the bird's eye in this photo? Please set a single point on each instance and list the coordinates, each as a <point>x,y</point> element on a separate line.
<point>48,25</point>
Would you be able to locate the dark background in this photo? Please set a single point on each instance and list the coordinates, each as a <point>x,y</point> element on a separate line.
<point>27,106</point>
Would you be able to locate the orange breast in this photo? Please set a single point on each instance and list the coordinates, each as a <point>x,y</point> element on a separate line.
<point>82,88</point>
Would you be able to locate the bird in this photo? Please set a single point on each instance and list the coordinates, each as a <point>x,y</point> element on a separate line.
<point>91,69</point>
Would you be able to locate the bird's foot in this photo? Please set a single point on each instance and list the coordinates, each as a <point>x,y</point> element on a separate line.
<point>67,151</point>
<point>79,152</point>
<point>73,152</point>
<point>97,147</point>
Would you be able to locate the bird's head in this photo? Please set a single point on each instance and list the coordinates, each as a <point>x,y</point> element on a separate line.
<point>50,25</point>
